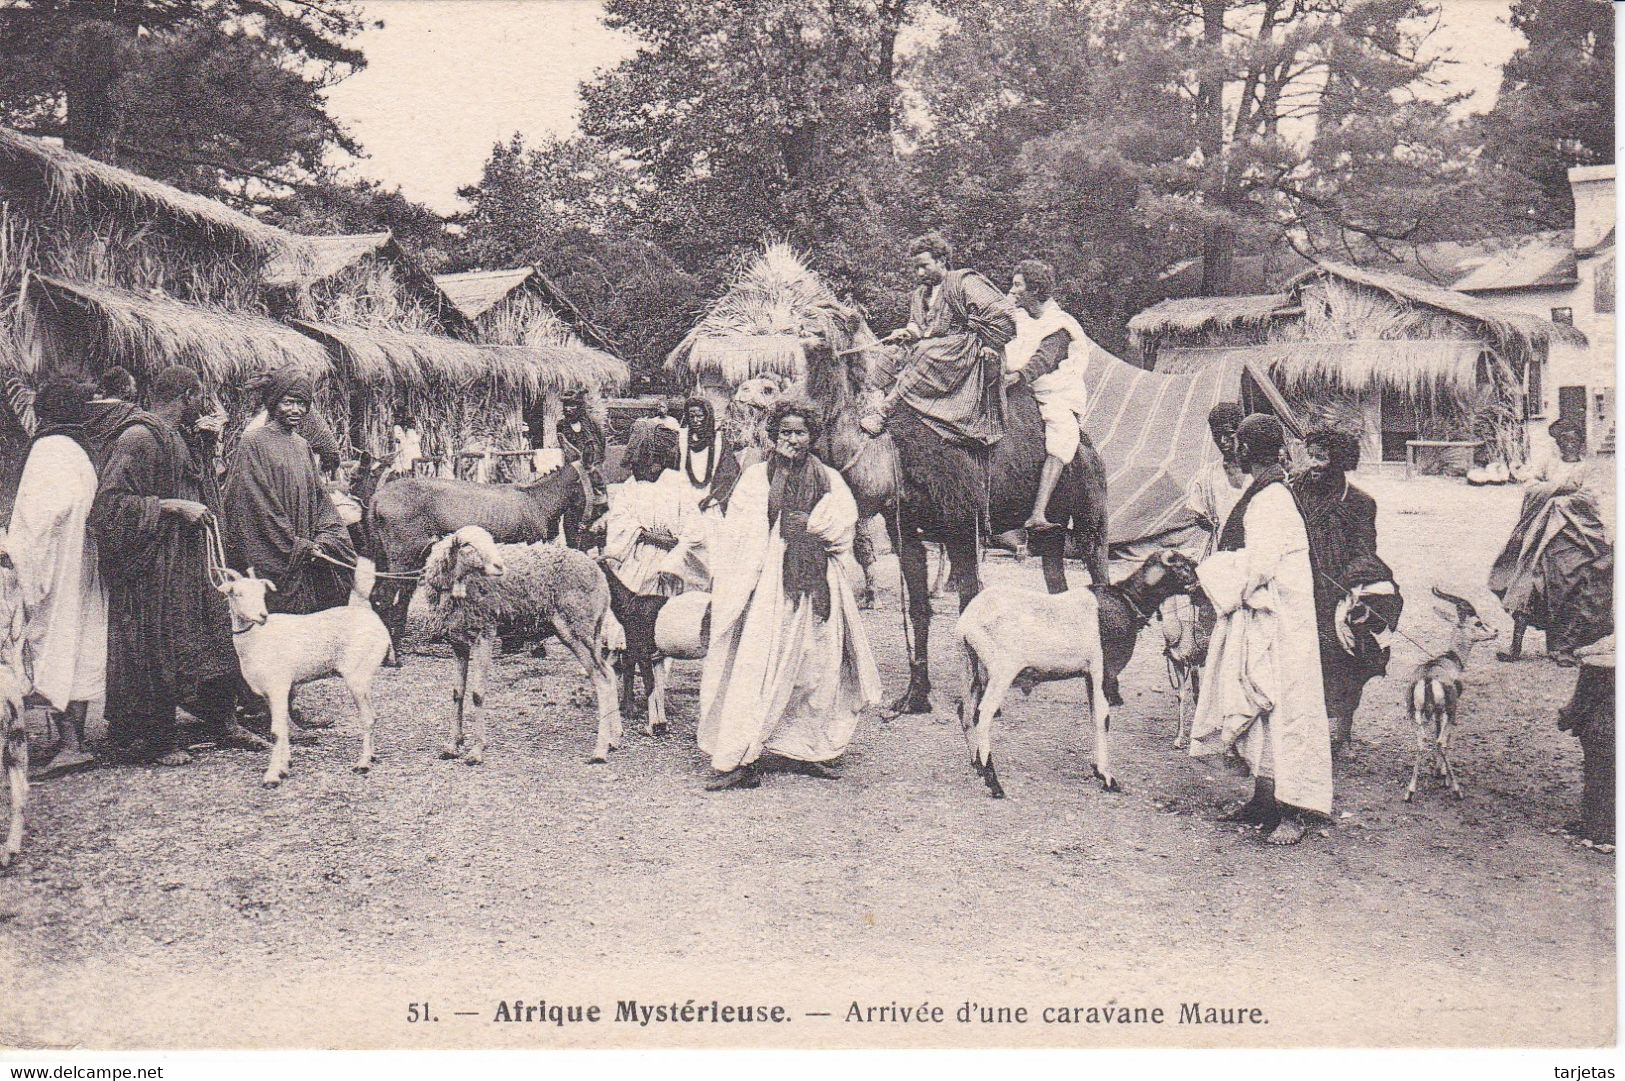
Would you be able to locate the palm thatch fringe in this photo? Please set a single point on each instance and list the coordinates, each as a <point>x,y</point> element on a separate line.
<point>97,326</point>
<point>756,327</point>
<point>1198,314</point>
<point>66,184</point>
<point>1414,367</point>
<point>380,358</point>
<point>1499,326</point>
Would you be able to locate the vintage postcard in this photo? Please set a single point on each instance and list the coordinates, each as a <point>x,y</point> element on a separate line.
<point>525,522</point>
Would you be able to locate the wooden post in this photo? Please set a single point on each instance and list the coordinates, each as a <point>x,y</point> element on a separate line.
<point>552,411</point>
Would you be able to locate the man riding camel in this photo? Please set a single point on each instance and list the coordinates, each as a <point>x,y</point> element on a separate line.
<point>958,327</point>
<point>1049,353</point>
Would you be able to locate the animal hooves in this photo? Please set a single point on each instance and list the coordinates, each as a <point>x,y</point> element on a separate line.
<point>360,768</point>
<point>598,758</point>
<point>659,730</point>
<point>448,751</point>
<point>270,782</point>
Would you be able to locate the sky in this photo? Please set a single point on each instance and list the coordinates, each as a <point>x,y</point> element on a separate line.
<point>448,79</point>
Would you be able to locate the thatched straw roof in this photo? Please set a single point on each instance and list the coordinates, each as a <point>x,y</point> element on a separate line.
<point>756,327</point>
<point>63,182</point>
<point>475,294</point>
<point>1354,366</point>
<point>1502,327</point>
<point>418,361</point>
<point>146,333</point>
<point>1198,314</point>
<point>1511,333</point>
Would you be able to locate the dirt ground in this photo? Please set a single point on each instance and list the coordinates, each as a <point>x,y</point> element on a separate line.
<point>192,908</point>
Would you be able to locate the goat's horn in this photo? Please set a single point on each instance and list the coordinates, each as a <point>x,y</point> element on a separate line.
<point>1453,599</point>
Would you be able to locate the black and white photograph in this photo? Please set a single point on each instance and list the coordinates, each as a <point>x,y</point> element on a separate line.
<point>556,525</point>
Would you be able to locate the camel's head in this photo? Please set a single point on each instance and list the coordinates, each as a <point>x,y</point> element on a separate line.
<point>468,551</point>
<point>748,411</point>
<point>245,596</point>
<point>837,344</point>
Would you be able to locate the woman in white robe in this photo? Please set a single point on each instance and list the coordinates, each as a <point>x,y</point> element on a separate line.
<point>1262,696</point>
<point>789,667</point>
<point>57,569</point>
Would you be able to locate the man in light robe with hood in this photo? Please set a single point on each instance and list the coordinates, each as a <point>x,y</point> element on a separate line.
<point>1262,696</point>
<point>49,543</point>
<point>1049,353</point>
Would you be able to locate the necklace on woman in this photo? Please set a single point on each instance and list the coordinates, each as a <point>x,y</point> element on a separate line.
<point>710,461</point>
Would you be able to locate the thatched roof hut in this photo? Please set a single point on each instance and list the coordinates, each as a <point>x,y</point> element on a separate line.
<point>756,327</point>
<point>1399,358</point>
<point>99,266</point>
<point>366,279</point>
<point>98,326</point>
<point>70,188</point>
<point>520,307</point>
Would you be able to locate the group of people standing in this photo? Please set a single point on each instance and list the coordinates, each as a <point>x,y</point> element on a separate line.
<point>110,536</point>
<point>1298,611</point>
<point>770,537</point>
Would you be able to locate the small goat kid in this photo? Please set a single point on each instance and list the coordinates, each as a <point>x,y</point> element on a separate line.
<point>1435,692</point>
<point>482,589</point>
<point>278,652</point>
<point>657,628</point>
<point>1022,638</point>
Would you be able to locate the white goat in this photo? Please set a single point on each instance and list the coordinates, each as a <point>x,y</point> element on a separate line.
<point>480,589</point>
<point>278,652</point>
<point>1435,691</point>
<point>1014,636</point>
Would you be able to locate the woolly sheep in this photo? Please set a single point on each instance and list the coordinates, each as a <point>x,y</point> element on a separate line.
<point>480,589</point>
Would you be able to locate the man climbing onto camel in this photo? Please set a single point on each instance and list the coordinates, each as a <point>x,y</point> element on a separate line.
<point>958,327</point>
<point>1049,353</point>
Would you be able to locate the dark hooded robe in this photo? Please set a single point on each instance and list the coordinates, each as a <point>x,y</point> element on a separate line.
<point>105,418</point>
<point>1341,521</point>
<point>169,630</point>
<point>278,515</point>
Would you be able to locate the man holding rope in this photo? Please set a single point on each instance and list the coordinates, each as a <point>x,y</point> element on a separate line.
<point>279,519</point>
<point>169,631</point>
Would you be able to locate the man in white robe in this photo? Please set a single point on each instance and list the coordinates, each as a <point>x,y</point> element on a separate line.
<point>789,667</point>
<point>1050,353</point>
<point>1213,492</point>
<point>654,536</point>
<point>57,569</point>
<point>1262,696</point>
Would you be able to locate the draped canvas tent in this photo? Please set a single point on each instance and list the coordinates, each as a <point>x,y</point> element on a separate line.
<point>1151,431</point>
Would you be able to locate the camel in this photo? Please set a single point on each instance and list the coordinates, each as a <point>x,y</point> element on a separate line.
<point>943,487</point>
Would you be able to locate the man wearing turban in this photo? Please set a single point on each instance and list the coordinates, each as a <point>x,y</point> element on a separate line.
<point>278,515</point>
